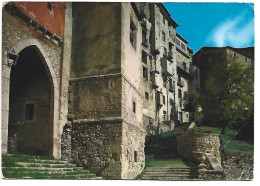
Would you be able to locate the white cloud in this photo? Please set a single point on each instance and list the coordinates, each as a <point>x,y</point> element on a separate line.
<point>237,32</point>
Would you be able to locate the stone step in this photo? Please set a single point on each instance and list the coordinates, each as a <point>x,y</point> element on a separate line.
<point>33,167</point>
<point>169,175</point>
<point>171,178</point>
<point>71,172</point>
<point>39,168</point>
<point>171,169</point>
<point>169,172</point>
<point>54,165</point>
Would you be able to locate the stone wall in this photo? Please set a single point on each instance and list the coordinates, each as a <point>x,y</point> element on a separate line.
<point>133,157</point>
<point>66,142</point>
<point>203,142</point>
<point>238,166</point>
<point>97,146</point>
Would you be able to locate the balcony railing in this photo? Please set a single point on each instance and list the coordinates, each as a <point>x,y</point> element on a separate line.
<point>183,67</point>
<point>180,82</point>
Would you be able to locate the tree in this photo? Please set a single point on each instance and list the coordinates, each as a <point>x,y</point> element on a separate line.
<point>191,102</point>
<point>228,96</point>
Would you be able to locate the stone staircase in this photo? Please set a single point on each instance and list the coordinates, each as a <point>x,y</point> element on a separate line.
<point>170,173</point>
<point>39,168</point>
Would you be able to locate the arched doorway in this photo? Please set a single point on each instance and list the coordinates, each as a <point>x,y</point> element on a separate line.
<point>30,126</point>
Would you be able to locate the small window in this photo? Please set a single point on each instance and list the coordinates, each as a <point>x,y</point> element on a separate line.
<point>246,59</point>
<point>145,73</point>
<point>171,102</point>
<point>144,40</point>
<point>164,51</point>
<point>50,6</point>
<point>169,33</point>
<point>178,42</point>
<point>147,95</point>
<point>135,156</point>
<point>235,54</point>
<point>187,116</point>
<point>134,107</point>
<point>179,93</point>
<point>29,111</point>
<point>163,35</point>
<point>163,20</point>
<point>171,84</point>
<point>164,83</point>
<point>164,115</point>
<point>163,99</point>
<point>183,46</point>
<point>132,32</point>
<point>184,65</point>
<point>144,57</point>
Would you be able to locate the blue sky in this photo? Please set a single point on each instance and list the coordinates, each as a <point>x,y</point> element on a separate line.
<point>214,24</point>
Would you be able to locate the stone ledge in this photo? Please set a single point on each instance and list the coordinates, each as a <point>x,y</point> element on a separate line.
<point>107,119</point>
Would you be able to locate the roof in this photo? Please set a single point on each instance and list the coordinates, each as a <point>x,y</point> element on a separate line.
<point>179,36</point>
<point>164,10</point>
<point>247,51</point>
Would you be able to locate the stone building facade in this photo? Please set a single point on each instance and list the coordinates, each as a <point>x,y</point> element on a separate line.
<point>35,88</point>
<point>91,81</point>
<point>207,57</point>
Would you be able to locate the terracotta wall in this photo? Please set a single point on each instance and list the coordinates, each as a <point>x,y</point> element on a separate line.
<point>39,12</point>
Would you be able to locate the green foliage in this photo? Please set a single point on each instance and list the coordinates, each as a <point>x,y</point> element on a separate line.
<point>171,133</point>
<point>228,97</point>
<point>191,101</point>
<point>177,162</point>
<point>206,129</point>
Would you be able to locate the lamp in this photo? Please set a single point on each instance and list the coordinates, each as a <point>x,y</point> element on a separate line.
<point>12,56</point>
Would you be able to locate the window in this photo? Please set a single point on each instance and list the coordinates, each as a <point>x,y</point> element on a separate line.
<point>171,102</point>
<point>164,83</point>
<point>134,107</point>
<point>132,32</point>
<point>179,79</point>
<point>135,156</point>
<point>187,115</point>
<point>164,51</point>
<point>246,59</point>
<point>179,93</point>
<point>178,42</point>
<point>50,6</point>
<point>184,65</point>
<point>164,115</point>
<point>29,111</point>
<point>169,33</point>
<point>163,20</point>
<point>180,116</point>
<point>144,40</point>
<point>163,35</point>
<point>145,73</point>
<point>163,99</point>
<point>183,46</point>
<point>147,95</point>
<point>144,57</point>
<point>235,54</point>
<point>170,84</point>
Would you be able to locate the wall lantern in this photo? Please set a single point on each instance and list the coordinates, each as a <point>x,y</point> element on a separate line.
<point>13,57</point>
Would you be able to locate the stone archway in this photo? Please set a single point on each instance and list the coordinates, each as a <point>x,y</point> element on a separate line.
<point>28,105</point>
